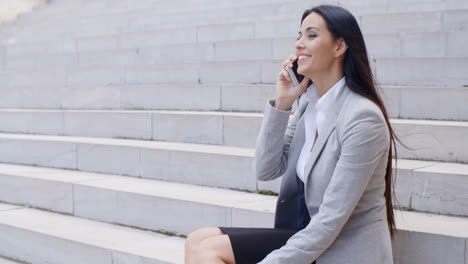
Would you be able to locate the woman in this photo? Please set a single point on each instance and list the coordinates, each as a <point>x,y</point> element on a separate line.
<point>335,152</point>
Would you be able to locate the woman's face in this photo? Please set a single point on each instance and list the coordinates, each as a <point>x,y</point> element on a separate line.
<point>316,41</point>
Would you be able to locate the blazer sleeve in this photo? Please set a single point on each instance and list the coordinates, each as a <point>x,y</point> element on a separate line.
<point>276,133</point>
<point>364,143</point>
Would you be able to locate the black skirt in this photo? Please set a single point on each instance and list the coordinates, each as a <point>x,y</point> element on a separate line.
<point>252,245</point>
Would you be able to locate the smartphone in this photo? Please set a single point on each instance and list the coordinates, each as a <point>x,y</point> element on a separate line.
<point>293,76</point>
<point>296,77</point>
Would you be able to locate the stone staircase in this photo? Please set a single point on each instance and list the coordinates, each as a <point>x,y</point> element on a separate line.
<point>125,126</point>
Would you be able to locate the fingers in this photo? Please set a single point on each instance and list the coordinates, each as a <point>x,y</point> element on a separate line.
<point>285,63</point>
<point>289,61</point>
<point>292,58</point>
<point>285,75</point>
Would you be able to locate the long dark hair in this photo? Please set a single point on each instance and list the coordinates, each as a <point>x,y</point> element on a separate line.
<point>342,24</point>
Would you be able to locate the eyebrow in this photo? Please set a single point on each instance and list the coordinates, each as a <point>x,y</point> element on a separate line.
<point>309,28</point>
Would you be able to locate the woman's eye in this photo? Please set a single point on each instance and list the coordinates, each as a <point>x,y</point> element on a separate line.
<point>310,36</point>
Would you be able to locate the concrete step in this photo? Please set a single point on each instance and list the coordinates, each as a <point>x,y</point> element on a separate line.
<point>411,44</point>
<point>269,20</point>
<point>414,71</point>
<point>220,128</point>
<point>58,9</point>
<point>9,261</point>
<point>37,236</point>
<point>399,6</point>
<point>395,71</point>
<point>441,103</point>
<point>204,62</point>
<point>119,22</point>
<point>431,140</point>
<point>427,238</point>
<point>421,238</point>
<point>212,44</point>
<point>114,51</point>
<point>207,165</point>
<point>442,71</point>
<point>436,187</point>
<point>175,162</point>
<point>83,9</point>
<point>87,10</point>
<point>236,27</point>
<point>148,204</point>
<point>421,186</point>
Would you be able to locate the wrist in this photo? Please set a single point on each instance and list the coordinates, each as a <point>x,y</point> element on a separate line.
<point>282,105</point>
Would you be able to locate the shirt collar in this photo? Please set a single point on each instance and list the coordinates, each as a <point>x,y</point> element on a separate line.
<point>311,94</point>
<point>326,100</point>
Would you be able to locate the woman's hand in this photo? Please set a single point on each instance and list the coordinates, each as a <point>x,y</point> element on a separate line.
<point>286,93</point>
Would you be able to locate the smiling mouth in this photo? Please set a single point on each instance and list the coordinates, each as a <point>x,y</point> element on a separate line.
<point>303,58</point>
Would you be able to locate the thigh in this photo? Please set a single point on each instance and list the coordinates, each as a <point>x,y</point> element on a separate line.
<point>251,245</point>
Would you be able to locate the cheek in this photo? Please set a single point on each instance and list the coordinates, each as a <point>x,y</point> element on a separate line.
<point>320,60</point>
<point>323,56</point>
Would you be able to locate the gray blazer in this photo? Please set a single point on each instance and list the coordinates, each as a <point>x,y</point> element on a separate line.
<point>344,186</point>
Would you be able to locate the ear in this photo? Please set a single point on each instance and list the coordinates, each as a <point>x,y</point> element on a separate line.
<point>341,47</point>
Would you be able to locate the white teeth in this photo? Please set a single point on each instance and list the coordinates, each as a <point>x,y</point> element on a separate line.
<point>303,57</point>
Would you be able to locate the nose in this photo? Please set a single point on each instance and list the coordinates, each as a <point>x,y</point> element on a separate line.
<point>299,44</point>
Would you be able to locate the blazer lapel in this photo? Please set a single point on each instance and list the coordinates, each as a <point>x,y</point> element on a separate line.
<point>328,127</point>
<point>300,129</point>
<point>299,134</point>
<point>318,146</point>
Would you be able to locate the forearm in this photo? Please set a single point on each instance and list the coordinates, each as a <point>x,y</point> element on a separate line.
<point>272,144</point>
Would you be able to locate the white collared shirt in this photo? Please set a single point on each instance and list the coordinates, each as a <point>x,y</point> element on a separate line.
<point>314,116</point>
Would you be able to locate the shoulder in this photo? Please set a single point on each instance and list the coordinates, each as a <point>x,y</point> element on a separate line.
<point>360,113</point>
<point>359,108</point>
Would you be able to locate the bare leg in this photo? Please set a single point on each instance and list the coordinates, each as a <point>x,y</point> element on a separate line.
<point>208,245</point>
<point>193,241</point>
<point>217,250</point>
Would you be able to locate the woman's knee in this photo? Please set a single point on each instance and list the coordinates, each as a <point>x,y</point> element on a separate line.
<point>194,238</point>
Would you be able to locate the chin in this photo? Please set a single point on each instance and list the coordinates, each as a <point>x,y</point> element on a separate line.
<point>302,73</point>
<point>303,70</point>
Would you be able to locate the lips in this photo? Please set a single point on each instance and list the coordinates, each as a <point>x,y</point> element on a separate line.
<point>302,58</point>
